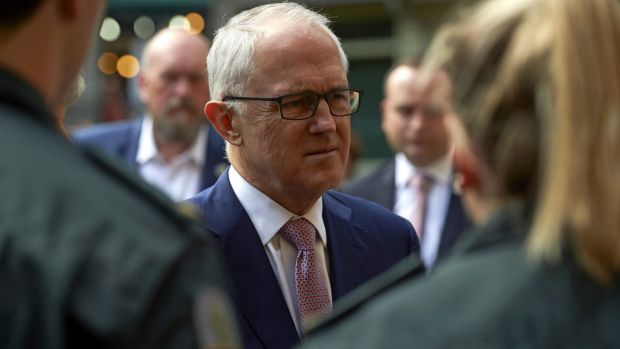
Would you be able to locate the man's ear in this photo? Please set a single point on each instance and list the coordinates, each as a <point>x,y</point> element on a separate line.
<point>143,88</point>
<point>220,117</point>
<point>382,108</point>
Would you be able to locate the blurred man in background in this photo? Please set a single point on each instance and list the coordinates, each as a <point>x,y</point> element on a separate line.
<point>417,182</point>
<point>89,257</point>
<point>173,146</point>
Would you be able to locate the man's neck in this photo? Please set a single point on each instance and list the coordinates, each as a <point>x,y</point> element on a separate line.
<point>168,149</point>
<point>23,58</point>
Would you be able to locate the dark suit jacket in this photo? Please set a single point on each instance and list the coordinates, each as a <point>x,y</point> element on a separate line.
<point>380,187</point>
<point>122,139</point>
<point>364,239</point>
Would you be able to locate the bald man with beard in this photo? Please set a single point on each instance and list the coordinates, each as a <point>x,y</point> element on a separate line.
<point>172,146</point>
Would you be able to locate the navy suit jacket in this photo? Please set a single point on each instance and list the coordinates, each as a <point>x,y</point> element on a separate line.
<point>380,186</point>
<point>364,239</point>
<point>123,137</point>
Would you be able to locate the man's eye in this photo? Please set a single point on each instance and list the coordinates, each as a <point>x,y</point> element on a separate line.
<point>339,96</point>
<point>405,111</point>
<point>297,101</point>
<point>434,111</point>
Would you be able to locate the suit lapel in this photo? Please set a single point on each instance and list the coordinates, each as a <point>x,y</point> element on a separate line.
<point>456,222</point>
<point>384,177</point>
<point>257,292</point>
<point>345,250</point>
<point>387,180</point>
<point>133,141</point>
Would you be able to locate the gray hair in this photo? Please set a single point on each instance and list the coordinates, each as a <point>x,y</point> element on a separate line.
<point>230,61</point>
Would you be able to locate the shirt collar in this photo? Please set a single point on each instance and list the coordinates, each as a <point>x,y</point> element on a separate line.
<point>440,170</point>
<point>147,149</point>
<point>267,215</point>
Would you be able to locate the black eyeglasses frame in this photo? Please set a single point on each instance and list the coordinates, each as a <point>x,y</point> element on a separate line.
<point>279,99</point>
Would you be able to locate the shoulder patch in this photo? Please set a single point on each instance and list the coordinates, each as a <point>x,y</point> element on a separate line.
<point>215,321</point>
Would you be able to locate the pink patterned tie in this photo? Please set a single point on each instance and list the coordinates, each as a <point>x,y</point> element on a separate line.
<point>312,294</point>
<point>421,184</point>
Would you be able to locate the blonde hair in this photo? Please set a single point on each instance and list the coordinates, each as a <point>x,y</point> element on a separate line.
<point>537,83</point>
<point>74,91</point>
<point>581,190</point>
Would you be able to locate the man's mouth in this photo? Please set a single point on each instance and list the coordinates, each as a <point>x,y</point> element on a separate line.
<point>322,151</point>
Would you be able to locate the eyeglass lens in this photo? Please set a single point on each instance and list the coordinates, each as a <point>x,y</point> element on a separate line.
<point>303,105</point>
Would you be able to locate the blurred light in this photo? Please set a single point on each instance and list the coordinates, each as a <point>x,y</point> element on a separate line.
<point>144,27</point>
<point>110,29</point>
<point>128,66</point>
<point>179,22</point>
<point>196,23</point>
<point>107,63</point>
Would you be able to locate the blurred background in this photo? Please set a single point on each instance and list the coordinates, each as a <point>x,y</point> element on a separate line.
<point>374,35</point>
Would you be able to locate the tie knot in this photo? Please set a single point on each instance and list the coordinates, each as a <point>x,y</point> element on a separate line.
<point>421,182</point>
<point>300,233</point>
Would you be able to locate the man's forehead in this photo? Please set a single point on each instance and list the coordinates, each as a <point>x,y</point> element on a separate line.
<point>418,81</point>
<point>177,60</point>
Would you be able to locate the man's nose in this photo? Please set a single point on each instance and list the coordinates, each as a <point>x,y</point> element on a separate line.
<point>183,86</point>
<point>417,119</point>
<point>323,120</point>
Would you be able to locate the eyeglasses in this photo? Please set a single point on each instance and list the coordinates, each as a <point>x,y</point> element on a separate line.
<point>300,106</point>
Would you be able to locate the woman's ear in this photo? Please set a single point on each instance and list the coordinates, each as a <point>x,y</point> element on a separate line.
<point>467,168</point>
<point>220,117</point>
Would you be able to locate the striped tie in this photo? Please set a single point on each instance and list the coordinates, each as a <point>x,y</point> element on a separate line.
<point>421,185</point>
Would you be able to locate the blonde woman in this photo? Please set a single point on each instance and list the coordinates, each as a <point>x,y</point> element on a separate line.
<point>538,86</point>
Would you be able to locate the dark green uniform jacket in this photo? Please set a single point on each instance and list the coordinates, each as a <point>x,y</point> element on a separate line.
<point>89,256</point>
<point>488,294</point>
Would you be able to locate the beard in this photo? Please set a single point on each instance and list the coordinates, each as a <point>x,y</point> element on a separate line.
<point>180,121</point>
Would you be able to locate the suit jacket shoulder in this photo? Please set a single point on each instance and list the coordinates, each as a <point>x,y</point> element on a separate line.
<point>364,240</point>
<point>378,186</point>
<point>368,216</point>
<point>119,138</point>
<point>122,139</point>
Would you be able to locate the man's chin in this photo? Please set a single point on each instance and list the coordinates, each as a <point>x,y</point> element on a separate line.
<point>180,133</point>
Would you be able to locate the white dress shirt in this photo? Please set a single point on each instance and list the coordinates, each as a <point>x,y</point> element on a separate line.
<point>180,178</point>
<point>268,217</point>
<point>437,204</point>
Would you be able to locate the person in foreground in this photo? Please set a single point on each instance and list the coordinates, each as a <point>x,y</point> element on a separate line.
<point>540,103</point>
<point>417,182</point>
<point>282,102</point>
<point>89,257</point>
<point>172,146</point>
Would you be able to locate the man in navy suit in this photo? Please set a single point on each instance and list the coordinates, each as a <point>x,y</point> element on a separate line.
<point>172,146</point>
<point>413,120</point>
<point>282,102</point>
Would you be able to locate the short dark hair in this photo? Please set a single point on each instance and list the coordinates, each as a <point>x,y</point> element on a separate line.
<point>15,11</point>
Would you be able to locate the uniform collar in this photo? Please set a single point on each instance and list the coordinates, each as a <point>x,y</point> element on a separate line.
<point>16,91</point>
